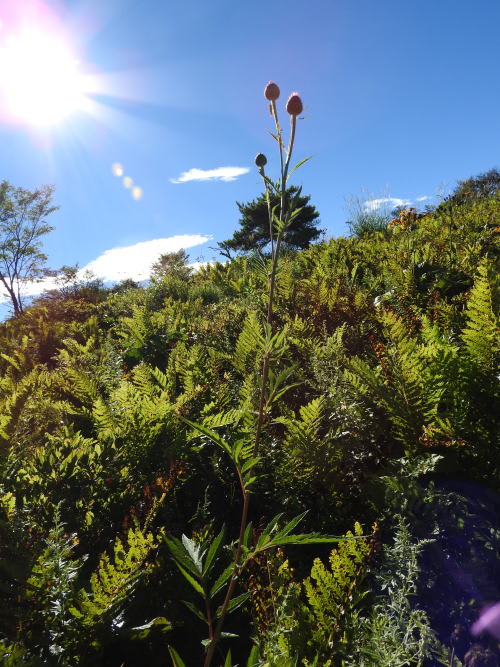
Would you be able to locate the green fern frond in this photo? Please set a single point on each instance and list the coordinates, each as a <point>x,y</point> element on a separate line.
<point>250,342</point>
<point>112,584</point>
<point>481,334</point>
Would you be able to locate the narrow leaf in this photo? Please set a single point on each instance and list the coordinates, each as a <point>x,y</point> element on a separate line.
<point>191,580</point>
<point>221,581</point>
<point>266,533</point>
<point>298,165</point>
<point>234,604</point>
<point>192,608</point>
<point>247,534</point>
<point>250,463</point>
<point>308,538</point>
<point>213,551</point>
<point>177,661</point>
<point>291,525</point>
<point>215,437</point>
<point>253,658</point>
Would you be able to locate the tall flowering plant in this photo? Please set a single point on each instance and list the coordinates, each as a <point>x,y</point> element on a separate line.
<point>199,562</point>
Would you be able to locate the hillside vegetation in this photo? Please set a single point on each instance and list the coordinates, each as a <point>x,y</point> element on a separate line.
<point>283,460</point>
<point>381,421</point>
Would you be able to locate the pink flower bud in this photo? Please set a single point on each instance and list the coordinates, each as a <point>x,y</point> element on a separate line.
<point>294,105</point>
<point>271,91</point>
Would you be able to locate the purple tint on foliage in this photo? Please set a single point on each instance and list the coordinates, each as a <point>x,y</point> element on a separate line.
<point>489,620</point>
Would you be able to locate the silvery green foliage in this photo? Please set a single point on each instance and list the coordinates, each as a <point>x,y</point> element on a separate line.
<point>398,633</point>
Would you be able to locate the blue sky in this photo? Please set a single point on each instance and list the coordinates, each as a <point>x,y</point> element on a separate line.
<point>401,99</point>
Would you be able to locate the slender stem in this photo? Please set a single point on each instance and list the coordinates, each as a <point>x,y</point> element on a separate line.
<point>269,213</point>
<point>209,618</point>
<point>278,134</point>
<point>232,583</point>
<point>265,373</point>
<point>274,265</point>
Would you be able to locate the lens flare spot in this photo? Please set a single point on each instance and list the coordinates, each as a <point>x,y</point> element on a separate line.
<point>137,192</point>
<point>128,182</point>
<point>117,169</point>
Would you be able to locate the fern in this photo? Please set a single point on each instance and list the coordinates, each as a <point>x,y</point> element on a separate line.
<point>114,581</point>
<point>481,334</point>
<point>250,344</point>
<point>302,434</point>
<point>333,594</point>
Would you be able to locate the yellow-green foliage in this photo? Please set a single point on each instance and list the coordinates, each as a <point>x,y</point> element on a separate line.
<point>482,334</point>
<point>115,578</point>
<point>332,592</point>
<point>309,622</point>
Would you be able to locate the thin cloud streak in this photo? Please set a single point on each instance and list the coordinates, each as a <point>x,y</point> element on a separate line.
<point>372,205</point>
<point>117,264</point>
<point>225,174</point>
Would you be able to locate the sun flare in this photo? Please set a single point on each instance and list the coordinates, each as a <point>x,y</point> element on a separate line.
<point>40,81</point>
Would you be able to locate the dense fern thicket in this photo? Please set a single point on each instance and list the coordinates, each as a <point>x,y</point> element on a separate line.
<point>382,425</point>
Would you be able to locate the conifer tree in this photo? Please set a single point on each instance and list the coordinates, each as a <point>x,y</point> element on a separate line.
<point>254,224</point>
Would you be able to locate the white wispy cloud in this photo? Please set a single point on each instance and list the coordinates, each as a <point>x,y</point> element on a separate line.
<point>133,261</point>
<point>423,198</point>
<point>385,202</point>
<point>219,174</point>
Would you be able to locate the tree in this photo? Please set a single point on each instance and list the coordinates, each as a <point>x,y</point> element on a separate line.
<point>171,264</point>
<point>254,224</point>
<point>22,226</point>
<point>482,186</point>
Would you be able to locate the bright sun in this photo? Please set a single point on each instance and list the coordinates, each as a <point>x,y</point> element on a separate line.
<point>40,83</point>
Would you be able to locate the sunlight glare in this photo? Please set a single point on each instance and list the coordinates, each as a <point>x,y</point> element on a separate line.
<point>40,82</point>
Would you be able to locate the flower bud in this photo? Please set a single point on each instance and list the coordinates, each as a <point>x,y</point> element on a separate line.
<point>294,105</point>
<point>260,160</point>
<point>271,91</point>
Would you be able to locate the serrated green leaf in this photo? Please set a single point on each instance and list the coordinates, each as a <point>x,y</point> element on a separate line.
<point>291,525</point>
<point>193,550</point>
<point>141,632</point>
<point>197,612</point>
<point>249,481</point>
<point>234,604</point>
<point>222,580</point>
<point>214,437</point>
<point>179,554</point>
<point>197,587</point>
<point>308,538</point>
<point>266,533</point>
<point>247,534</point>
<point>249,463</point>
<point>213,550</point>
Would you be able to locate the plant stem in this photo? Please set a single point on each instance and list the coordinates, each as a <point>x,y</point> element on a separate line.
<point>284,165</point>
<point>232,582</point>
